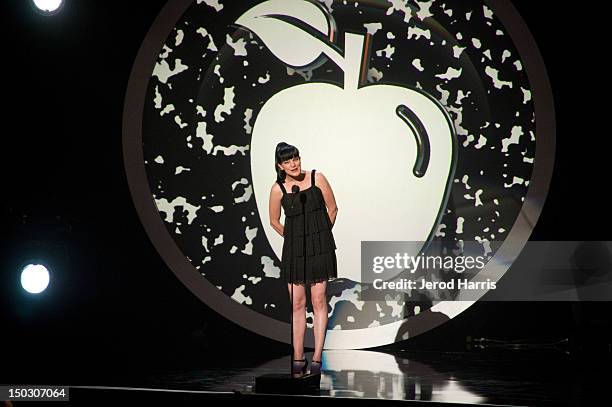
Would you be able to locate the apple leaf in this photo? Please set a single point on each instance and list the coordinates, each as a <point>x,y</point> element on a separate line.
<point>293,30</point>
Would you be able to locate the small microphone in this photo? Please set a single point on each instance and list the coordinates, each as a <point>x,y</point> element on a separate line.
<point>294,189</point>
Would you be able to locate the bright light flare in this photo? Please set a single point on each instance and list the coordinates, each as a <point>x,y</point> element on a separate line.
<point>35,278</point>
<point>48,6</point>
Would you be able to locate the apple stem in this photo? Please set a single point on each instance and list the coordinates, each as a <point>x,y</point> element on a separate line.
<point>351,63</point>
<point>353,55</point>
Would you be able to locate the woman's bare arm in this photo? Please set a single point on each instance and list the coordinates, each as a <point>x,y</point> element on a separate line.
<point>328,196</point>
<point>275,208</point>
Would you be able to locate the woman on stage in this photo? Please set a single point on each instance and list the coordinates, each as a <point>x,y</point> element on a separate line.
<point>319,213</point>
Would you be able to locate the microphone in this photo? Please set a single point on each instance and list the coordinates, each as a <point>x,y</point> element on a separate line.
<point>294,189</point>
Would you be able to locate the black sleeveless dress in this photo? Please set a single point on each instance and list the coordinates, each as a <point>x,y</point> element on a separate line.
<point>320,245</point>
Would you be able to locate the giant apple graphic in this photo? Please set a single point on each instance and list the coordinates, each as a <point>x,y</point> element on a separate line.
<point>357,106</point>
<point>388,151</point>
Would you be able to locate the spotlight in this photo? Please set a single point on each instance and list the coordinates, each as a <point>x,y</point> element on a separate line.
<point>48,6</point>
<point>35,278</point>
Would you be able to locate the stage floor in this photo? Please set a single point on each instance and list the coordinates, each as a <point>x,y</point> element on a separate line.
<point>477,377</point>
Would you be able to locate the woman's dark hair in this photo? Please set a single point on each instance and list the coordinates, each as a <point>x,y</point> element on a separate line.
<point>283,152</point>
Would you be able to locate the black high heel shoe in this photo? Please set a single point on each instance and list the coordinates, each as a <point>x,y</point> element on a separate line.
<point>315,367</point>
<point>299,367</point>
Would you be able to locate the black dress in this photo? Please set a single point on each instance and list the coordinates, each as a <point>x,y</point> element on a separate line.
<point>320,245</point>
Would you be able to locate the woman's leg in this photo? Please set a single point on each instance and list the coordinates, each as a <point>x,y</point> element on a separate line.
<point>299,319</point>
<point>318,297</point>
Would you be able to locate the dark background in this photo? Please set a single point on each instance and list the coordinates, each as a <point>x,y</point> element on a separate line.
<point>114,304</point>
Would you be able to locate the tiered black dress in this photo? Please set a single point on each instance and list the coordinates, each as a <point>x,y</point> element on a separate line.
<point>320,245</point>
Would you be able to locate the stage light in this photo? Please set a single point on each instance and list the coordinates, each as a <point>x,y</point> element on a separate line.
<point>48,6</point>
<point>35,278</point>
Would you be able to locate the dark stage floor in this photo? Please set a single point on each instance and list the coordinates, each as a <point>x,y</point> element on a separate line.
<point>547,377</point>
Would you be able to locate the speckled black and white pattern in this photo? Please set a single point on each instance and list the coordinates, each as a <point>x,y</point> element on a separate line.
<point>212,78</point>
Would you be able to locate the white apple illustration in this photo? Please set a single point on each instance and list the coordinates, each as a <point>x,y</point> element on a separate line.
<point>387,151</point>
